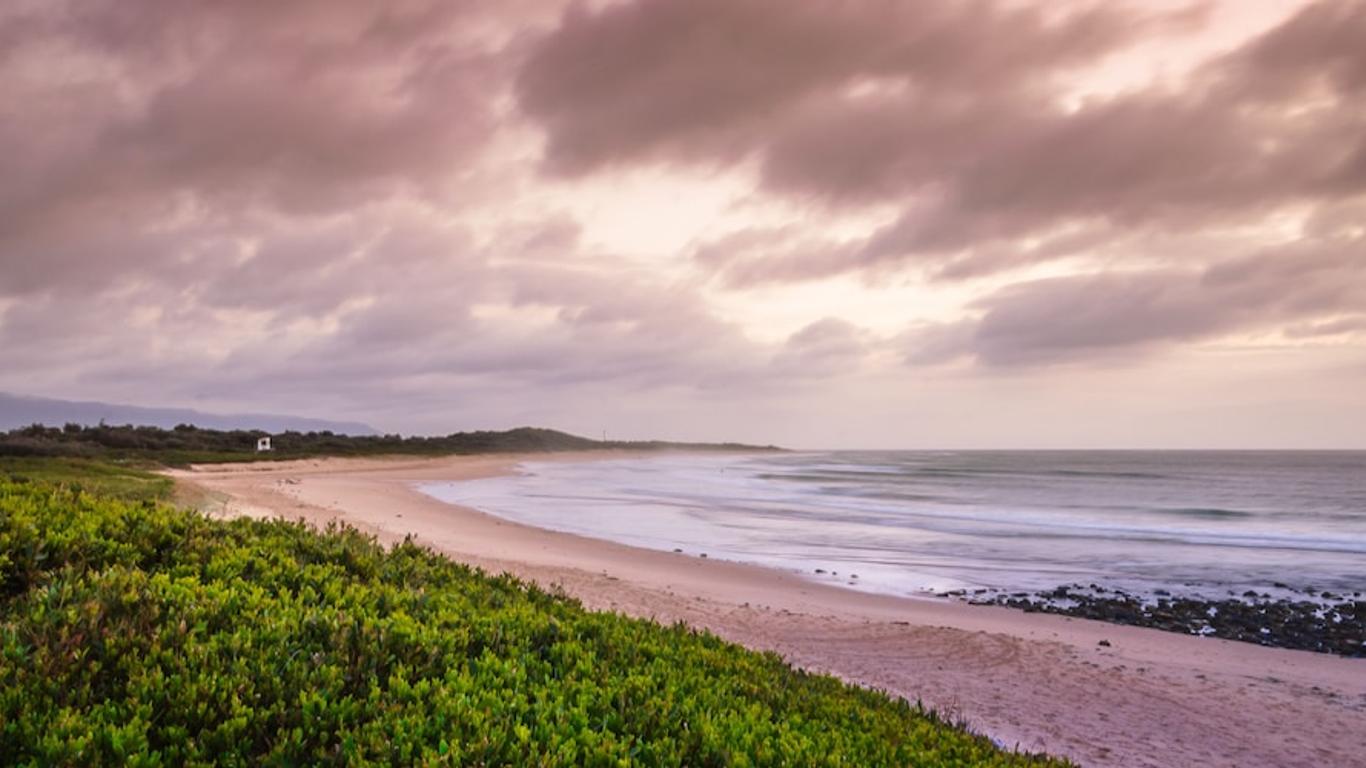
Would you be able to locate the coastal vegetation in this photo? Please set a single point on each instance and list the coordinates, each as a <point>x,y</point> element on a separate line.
<point>135,632</point>
<point>187,444</point>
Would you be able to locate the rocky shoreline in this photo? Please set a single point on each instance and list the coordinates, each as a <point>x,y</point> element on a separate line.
<point>1308,620</point>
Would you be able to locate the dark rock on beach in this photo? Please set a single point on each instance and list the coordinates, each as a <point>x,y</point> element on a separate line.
<point>1310,620</point>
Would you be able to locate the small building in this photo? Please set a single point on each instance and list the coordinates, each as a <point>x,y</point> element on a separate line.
<point>263,444</point>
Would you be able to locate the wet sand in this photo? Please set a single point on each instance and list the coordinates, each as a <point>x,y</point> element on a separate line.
<point>1042,682</point>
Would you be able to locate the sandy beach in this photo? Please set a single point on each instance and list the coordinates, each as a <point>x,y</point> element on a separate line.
<point>1101,694</point>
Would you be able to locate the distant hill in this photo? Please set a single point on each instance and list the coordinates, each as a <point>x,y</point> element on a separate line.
<point>187,444</point>
<point>18,411</point>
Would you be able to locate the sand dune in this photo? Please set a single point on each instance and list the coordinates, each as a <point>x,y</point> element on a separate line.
<point>1148,698</point>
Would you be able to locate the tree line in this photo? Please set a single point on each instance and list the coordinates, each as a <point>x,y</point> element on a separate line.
<point>187,443</point>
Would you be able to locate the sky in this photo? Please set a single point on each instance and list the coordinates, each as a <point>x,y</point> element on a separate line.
<point>838,224</point>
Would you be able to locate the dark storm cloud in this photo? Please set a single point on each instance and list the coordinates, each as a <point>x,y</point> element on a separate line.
<point>336,205</point>
<point>712,79</point>
<point>957,112</point>
<point>155,128</point>
<point>373,329</point>
<point>260,201</point>
<point>1079,318</point>
<point>597,329</point>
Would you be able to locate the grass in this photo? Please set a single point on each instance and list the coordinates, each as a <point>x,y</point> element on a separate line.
<point>126,481</point>
<point>134,632</point>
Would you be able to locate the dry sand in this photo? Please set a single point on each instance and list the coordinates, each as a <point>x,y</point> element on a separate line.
<point>1041,682</point>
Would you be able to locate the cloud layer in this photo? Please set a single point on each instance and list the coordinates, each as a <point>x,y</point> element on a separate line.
<point>962,116</point>
<point>403,213</point>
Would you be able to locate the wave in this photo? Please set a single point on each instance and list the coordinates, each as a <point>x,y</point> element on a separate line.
<point>1208,513</point>
<point>1090,473</point>
<point>1000,520</point>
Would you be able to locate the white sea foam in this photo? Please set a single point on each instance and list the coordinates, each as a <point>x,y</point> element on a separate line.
<point>1192,522</point>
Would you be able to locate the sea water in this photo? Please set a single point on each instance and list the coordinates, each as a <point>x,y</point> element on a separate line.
<point>1197,523</point>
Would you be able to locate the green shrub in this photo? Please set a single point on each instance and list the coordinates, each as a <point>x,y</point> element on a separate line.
<point>136,633</point>
<point>99,477</point>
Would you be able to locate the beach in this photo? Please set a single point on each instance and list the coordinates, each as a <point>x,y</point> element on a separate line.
<point>1098,693</point>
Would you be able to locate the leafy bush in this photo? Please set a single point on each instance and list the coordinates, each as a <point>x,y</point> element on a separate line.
<point>135,633</point>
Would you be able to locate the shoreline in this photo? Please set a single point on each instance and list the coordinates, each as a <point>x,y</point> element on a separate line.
<point>1101,694</point>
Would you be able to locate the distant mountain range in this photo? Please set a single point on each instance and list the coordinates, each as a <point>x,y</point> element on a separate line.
<point>19,411</point>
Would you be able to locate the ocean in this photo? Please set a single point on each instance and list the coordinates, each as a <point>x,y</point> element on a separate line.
<point>1202,524</point>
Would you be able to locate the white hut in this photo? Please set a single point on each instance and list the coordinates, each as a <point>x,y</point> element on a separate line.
<point>263,444</point>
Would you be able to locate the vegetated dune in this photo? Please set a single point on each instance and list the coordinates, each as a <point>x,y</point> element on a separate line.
<point>136,632</point>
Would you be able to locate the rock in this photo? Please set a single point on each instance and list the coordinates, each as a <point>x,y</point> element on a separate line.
<point>1315,625</point>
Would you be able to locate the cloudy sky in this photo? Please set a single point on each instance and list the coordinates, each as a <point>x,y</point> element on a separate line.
<point>874,223</point>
